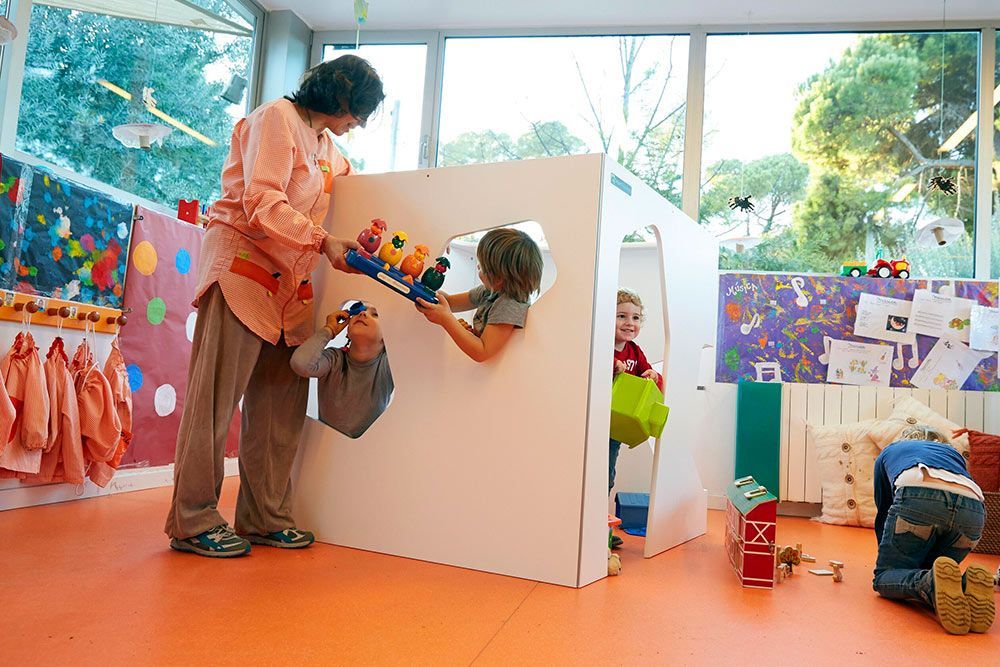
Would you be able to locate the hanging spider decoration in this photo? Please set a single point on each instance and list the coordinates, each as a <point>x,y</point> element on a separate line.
<point>944,184</point>
<point>741,203</point>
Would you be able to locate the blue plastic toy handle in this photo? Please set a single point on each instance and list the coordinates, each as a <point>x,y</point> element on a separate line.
<point>392,278</point>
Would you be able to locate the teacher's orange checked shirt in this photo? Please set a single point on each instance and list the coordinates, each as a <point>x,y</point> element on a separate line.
<point>265,233</point>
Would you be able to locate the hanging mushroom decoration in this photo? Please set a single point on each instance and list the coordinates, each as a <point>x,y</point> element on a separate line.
<point>939,231</point>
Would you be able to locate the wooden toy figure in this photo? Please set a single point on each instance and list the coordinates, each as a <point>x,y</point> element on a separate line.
<point>791,557</point>
<point>434,277</point>
<point>392,251</point>
<point>371,237</point>
<point>413,264</point>
<point>838,567</point>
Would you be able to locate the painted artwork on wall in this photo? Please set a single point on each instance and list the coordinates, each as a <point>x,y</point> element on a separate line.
<point>73,242</point>
<point>156,342</point>
<point>11,172</point>
<point>780,326</point>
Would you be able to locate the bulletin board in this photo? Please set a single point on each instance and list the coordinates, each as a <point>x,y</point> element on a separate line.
<point>156,342</point>
<point>781,320</point>
<point>10,187</point>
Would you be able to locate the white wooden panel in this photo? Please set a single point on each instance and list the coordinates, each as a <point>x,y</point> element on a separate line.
<point>815,414</point>
<point>974,401</point>
<point>938,401</point>
<point>850,404</point>
<point>922,395</point>
<point>867,403</point>
<point>786,413</point>
<point>991,412</point>
<point>956,407</point>
<point>797,443</point>
<point>884,398</point>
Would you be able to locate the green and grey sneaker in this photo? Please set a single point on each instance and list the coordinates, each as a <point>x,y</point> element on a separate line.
<point>616,541</point>
<point>220,542</point>
<point>289,538</point>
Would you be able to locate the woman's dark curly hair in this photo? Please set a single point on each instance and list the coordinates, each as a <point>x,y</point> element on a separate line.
<point>348,84</point>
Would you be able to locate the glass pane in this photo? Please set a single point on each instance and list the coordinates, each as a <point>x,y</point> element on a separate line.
<point>87,73</point>
<point>514,98</point>
<point>391,140</point>
<point>840,142</point>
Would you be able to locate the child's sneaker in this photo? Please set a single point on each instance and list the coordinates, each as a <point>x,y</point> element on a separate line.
<point>979,594</point>
<point>616,541</point>
<point>289,538</point>
<point>949,598</point>
<point>220,542</point>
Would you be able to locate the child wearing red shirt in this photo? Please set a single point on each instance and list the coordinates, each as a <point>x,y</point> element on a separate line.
<point>628,359</point>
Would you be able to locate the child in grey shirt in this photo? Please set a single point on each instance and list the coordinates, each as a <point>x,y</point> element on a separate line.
<point>355,383</point>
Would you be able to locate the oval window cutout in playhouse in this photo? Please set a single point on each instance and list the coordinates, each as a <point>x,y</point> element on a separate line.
<point>510,253</point>
<point>350,380</point>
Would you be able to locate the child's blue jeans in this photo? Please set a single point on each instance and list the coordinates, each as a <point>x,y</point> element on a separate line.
<point>613,447</point>
<point>922,525</point>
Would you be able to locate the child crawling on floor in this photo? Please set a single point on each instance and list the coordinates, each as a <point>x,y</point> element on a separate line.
<point>355,383</point>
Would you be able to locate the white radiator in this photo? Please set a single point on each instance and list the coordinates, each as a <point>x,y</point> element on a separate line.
<point>822,404</point>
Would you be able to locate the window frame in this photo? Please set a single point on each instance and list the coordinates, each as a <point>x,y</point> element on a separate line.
<point>12,61</point>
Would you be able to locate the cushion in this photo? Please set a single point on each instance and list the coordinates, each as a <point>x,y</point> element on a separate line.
<point>846,455</point>
<point>908,411</point>
<point>984,459</point>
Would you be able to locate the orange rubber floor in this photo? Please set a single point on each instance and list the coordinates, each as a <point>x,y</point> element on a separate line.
<point>92,583</point>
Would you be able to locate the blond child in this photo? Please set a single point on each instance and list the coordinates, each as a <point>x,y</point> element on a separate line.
<point>355,383</point>
<point>510,269</point>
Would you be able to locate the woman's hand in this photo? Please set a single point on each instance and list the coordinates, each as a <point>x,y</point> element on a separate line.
<point>439,312</point>
<point>335,250</point>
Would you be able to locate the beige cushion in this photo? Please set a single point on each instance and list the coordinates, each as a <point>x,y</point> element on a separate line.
<point>846,455</point>
<point>907,411</point>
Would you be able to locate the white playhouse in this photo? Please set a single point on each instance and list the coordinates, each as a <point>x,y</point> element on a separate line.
<point>503,466</point>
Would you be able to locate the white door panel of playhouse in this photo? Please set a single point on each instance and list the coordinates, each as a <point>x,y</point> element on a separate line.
<point>476,465</point>
<point>501,466</point>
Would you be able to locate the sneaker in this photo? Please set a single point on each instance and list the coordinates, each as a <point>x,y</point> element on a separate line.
<point>979,594</point>
<point>220,542</point>
<point>950,604</point>
<point>616,541</point>
<point>289,538</point>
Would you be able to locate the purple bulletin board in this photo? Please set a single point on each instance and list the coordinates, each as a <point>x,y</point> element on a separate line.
<point>783,317</point>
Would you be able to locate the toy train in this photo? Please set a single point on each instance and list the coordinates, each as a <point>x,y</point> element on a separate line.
<point>897,268</point>
<point>407,279</point>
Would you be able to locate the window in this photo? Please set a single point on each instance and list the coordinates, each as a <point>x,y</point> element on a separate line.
<point>391,140</point>
<point>513,98</point>
<point>836,139</point>
<point>87,72</point>
<point>995,237</point>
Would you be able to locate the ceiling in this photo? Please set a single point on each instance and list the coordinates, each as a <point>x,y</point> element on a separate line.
<point>433,14</point>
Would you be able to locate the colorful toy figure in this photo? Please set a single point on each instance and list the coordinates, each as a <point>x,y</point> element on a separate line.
<point>371,238</point>
<point>392,251</point>
<point>413,264</point>
<point>897,268</point>
<point>434,277</point>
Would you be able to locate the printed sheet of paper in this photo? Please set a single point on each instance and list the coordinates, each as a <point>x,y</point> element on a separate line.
<point>862,364</point>
<point>884,318</point>
<point>948,366</point>
<point>940,315</point>
<point>984,332</point>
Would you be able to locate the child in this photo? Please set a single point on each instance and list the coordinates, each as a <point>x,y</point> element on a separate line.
<point>355,382</point>
<point>510,268</point>
<point>930,516</point>
<point>628,359</point>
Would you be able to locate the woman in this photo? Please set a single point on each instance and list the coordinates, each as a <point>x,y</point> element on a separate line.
<point>254,297</point>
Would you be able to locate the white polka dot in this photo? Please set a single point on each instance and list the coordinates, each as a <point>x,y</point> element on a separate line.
<point>165,400</point>
<point>189,325</point>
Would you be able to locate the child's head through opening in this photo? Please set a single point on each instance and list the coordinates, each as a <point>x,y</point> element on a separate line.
<point>921,432</point>
<point>364,333</point>
<point>510,263</point>
<point>629,317</point>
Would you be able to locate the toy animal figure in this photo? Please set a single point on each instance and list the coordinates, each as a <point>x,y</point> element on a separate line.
<point>791,557</point>
<point>434,277</point>
<point>614,564</point>
<point>371,237</point>
<point>392,251</point>
<point>413,264</point>
<point>741,203</point>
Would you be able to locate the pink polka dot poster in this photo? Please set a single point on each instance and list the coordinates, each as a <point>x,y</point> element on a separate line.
<point>156,342</point>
